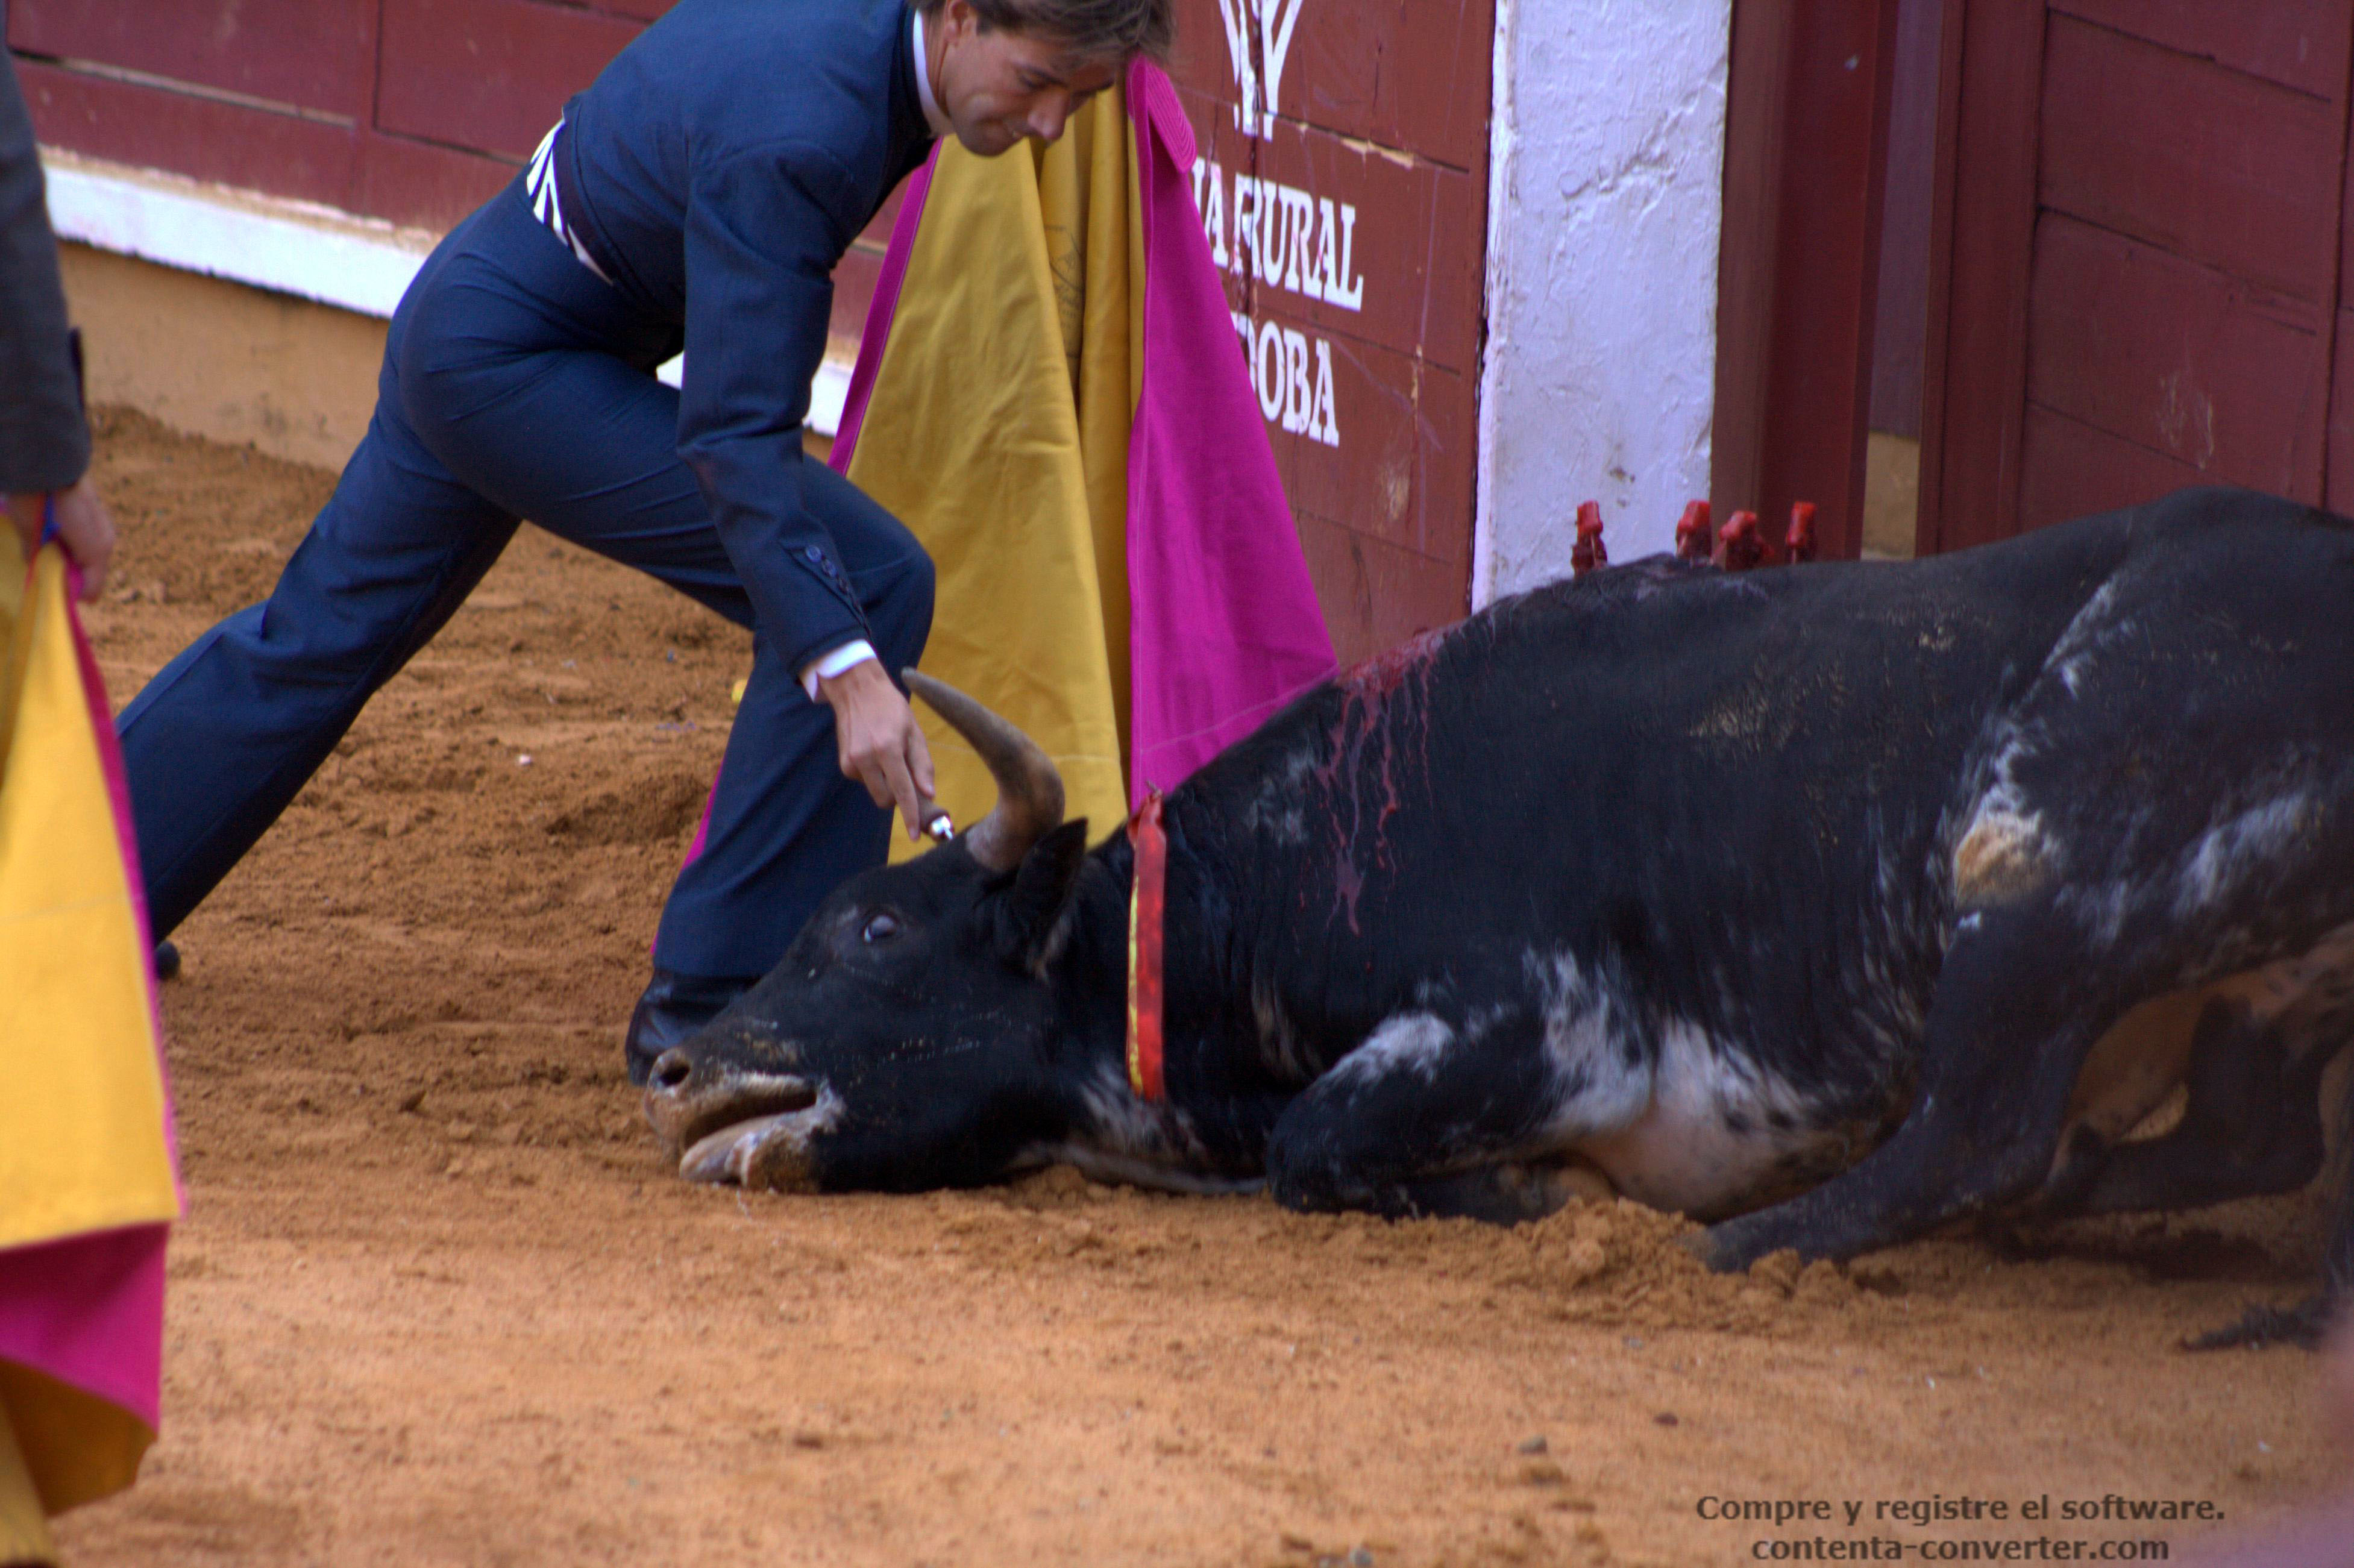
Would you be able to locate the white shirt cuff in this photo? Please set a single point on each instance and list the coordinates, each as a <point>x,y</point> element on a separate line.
<point>831,664</point>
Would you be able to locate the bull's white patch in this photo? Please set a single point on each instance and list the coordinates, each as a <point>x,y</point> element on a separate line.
<point>2100,907</point>
<point>1275,807</point>
<point>1412,1042</point>
<point>2317,979</point>
<point>1673,1116</point>
<point>1706,1142</point>
<point>2091,631</point>
<point>2001,850</point>
<point>1124,1138</point>
<point>2246,848</point>
<point>1587,1035</point>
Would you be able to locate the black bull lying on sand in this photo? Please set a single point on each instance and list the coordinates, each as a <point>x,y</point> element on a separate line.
<point>1828,903</point>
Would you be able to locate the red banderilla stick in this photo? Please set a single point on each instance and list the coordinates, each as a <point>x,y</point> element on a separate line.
<point>1588,551</point>
<point>1691,533</point>
<point>1800,541</point>
<point>1740,547</point>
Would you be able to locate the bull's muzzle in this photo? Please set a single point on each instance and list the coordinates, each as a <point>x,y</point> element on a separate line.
<point>725,1123</point>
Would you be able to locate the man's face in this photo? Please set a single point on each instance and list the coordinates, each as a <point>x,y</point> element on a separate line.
<point>999,86</point>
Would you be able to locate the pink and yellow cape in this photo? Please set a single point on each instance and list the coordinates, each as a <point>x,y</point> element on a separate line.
<point>88,1179</point>
<point>1051,394</point>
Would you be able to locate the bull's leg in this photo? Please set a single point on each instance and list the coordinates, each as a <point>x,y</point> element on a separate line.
<point>2013,1017</point>
<point>2252,1125</point>
<point>1429,1115</point>
<point>2307,1323</point>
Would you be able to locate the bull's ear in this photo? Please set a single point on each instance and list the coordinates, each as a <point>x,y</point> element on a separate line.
<point>1027,913</point>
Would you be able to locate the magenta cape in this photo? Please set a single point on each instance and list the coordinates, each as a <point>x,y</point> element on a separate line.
<point>1223,624</point>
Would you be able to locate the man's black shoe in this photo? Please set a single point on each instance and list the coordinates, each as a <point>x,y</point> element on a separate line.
<point>673,1007</point>
<point>167,961</point>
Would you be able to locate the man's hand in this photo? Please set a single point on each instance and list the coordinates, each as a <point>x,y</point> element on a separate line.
<point>879,744</point>
<point>84,528</point>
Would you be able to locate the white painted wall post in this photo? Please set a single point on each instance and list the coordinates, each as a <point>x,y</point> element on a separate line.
<point>1604,208</point>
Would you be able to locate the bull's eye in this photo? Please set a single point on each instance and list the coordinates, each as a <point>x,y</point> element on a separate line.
<point>882,929</point>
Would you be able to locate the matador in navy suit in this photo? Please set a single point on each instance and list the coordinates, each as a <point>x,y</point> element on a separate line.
<point>698,197</point>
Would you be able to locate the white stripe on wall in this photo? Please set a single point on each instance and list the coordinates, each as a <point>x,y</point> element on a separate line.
<point>291,247</point>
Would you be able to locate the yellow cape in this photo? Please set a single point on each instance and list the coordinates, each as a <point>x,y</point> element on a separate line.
<point>81,1122</point>
<point>998,431</point>
<point>82,1141</point>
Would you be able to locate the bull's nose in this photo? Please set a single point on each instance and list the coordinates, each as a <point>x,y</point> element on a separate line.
<point>672,1071</point>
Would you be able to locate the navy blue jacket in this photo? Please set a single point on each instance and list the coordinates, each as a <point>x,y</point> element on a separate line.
<point>717,170</point>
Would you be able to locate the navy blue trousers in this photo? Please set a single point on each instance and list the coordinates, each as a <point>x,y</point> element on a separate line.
<point>516,385</point>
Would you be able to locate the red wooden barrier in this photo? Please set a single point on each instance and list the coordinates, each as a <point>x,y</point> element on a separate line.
<point>1342,185</point>
<point>495,72</point>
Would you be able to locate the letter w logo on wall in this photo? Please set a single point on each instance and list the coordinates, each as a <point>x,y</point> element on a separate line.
<point>1258,40</point>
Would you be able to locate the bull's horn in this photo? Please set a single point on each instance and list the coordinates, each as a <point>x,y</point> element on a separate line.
<point>1029,792</point>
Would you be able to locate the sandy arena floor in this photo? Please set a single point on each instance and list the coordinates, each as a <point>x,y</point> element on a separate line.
<point>438,1300</point>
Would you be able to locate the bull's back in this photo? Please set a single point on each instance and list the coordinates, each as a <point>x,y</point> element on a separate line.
<point>1731,787</point>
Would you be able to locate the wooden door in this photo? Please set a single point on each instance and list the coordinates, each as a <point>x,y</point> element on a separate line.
<point>2136,267</point>
<point>1807,117</point>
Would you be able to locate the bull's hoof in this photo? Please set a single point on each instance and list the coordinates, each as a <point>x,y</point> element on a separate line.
<point>167,961</point>
<point>2305,1324</point>
<point>2070,1184</point>
<point>1312,1183</point>
<point>1730,1246</point>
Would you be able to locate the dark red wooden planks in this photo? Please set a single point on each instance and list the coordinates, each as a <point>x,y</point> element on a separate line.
<point>1375,595</point>
<point>2297,43</point>
<point>2339,483</point>
<point>318,55</point>
<point>1806,139</point>
<point>203,138</point>
<point>2177,357</point>
<point>1349,224</point>
<point>490,75</point>
<point>1380,257</point>
<point>2072,470</point>
<point>1406,74</point>
<point>644,10</point>
<point>1902,312</point>
<point>2208,163</point>
<point>1408,444</point>
<point>421,184</point>
<point>1984,227</point>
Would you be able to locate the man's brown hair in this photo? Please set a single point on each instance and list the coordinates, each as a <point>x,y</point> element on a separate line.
<point>1120,29</point>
